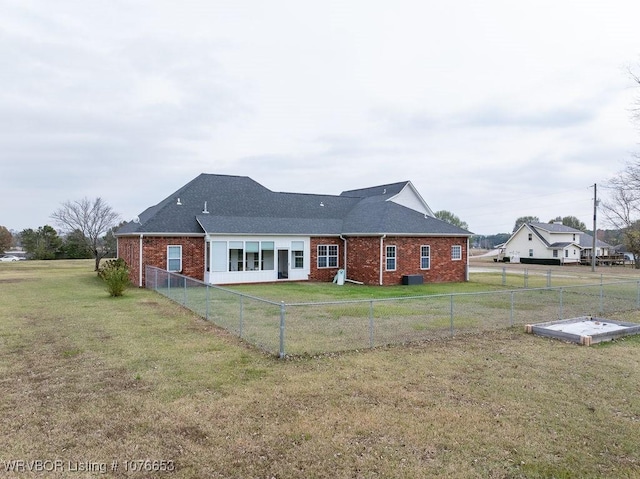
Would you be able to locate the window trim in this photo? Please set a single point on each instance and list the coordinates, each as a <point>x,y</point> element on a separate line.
<point>169,258</point>
<point>297,255</point>
<point>394,257</point>
<point>328,256</point>
<point>456,256</point>
<point>423,257</point>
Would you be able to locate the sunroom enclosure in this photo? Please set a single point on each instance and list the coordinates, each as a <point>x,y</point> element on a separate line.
<point>236,259</point>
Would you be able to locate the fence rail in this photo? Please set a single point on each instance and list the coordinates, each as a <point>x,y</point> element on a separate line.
<point>321,327</point>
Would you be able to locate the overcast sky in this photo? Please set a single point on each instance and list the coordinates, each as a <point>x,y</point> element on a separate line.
<point>493,109</point>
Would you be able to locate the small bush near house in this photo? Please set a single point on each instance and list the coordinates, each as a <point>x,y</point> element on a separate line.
<point>115,274</point>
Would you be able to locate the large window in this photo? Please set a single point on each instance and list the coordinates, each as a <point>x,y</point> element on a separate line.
<point>219,256</point>
<point>242,256</point>
<point>266,252</point>
<point>328,256</point>
<point>391,258</point>
<point>236,255</point>
<point>297,254</point>
<point>425,257</point>
<point>252,255</point>
<point>174,258</point>
<point>456,252</point>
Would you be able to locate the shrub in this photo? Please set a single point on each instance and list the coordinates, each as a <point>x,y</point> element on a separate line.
<point>115,274</point>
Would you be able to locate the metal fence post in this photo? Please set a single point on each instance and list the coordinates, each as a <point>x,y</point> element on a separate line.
<point>601,298</point>
<point>511,313</point>
<point>371,324</point>
<point>526,278</point>
<point>451,312</point>
<point>282,328</point>
<point>504,275</point>
<point>241,314</point>
<point>561,315</point>
<point>184,298</point>
<point>548,278</point>
<point>155,286</point>
<point>207,302</point>
<point>638,297</point>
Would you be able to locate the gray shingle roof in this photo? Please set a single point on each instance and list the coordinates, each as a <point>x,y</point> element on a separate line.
<point>586,241</point>
<point>239,205</point>
<point>554,228</point>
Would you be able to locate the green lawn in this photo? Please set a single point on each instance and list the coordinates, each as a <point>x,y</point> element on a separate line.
<point>325,317</point>
<point>89,378</point>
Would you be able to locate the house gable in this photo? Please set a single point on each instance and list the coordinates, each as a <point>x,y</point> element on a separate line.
<point>402,193</point>
<point>544,241</point>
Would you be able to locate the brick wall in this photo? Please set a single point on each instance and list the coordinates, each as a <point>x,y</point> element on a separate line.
<point>154,253</point>
<point>325,274</point>
<point>364,259</point>
<point>128,250</point>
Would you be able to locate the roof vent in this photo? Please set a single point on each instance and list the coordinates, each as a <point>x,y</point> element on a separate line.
<point>204,210</point>
<point>321,203</point>
<point>179,203</point>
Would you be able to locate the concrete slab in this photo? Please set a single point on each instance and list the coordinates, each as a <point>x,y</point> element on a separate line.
<point>584,330</point>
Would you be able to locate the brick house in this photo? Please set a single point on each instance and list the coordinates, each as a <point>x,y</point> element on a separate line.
<point>230,229</point>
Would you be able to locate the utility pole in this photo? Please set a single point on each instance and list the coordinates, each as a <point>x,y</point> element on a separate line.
<point>595,232</point>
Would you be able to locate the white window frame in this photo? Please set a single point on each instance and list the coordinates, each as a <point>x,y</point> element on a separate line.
<point>456,252</point>
<point>426,257</point>
<point>170,258</point>
<point>297,255</point>
<point>393,257</point>
<point>326,253</point>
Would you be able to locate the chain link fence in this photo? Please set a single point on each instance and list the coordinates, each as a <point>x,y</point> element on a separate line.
<point>308,328</point>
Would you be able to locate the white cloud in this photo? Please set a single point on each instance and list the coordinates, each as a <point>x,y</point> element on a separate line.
<point>494,110</point>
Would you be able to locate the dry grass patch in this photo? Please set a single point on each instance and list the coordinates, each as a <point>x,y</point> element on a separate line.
<point>90,378</point>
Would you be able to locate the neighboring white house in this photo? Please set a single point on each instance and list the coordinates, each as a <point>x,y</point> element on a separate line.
<point>544,243</point>
<point>604,251</point>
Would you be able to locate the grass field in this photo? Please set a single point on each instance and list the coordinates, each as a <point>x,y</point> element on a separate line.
<point>326,318</point>
<point>88,379</point>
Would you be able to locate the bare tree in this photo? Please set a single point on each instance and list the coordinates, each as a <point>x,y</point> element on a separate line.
<point>622,209</point>
<point>94,218</point>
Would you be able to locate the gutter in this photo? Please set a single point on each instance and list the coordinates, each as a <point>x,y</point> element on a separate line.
<point>381,256</point>
<point>468,264</point>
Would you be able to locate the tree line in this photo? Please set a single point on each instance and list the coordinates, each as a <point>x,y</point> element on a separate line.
<point>88,228</point>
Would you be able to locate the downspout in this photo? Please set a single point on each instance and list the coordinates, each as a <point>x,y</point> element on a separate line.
<point>468,264</point>
<point>381,255</point>
<point>344,254</point>
<point>140,260</point>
